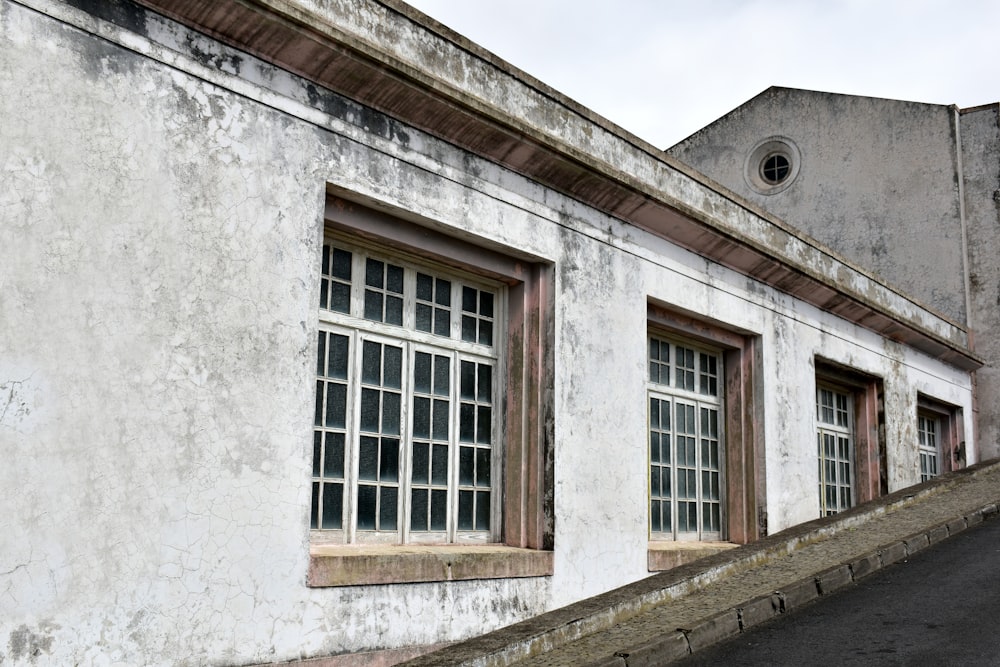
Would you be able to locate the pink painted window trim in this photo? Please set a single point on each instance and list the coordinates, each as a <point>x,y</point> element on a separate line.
<point>746,518</point>
<point>527,419</point>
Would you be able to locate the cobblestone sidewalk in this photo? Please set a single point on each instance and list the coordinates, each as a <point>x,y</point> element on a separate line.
<point>669,615</point>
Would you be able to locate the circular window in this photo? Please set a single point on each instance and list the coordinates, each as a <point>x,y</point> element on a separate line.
<point>775,168</point>
<point>772,165</point>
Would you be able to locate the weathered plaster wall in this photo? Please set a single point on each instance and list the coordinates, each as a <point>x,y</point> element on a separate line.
<point>981,167</point>
<point>161,202</point>
<point>877,182</point>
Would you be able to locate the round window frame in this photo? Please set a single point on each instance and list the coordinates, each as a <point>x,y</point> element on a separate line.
<point>753,167</point>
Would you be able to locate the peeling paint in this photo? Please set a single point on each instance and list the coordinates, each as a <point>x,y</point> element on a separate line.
<point>161,248</point>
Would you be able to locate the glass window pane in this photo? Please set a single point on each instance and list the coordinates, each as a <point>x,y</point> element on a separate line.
<point>440,420</point>
<point>371,363</point>
<point>394,310</point>
<point>320,391</point>
<point>468,299</point>
<point>482,510</point>
<point>439,465</point>
<point>468,381</point>
<point>339,350</point>
<point>336,405</point>
<point>333,460</point>
<point>366,507</point>
<point>369,410</point>
<point>333,506</point>
<point>393,367</point>
<point>482,467</point>
<point>341,301</point>
<point>439,509</point>
<point>341,264</point>
<point>374,271</point>
<point>321,354</point>
<point>421,417</point>
<point>443,293</point>
<point>422,372</point>
<point>466,422</point>
<point>389,461</point>
<point>314,508</point>
<point>486,304</point>
<point>466,466</point>
<point>485,332</point>
<point>442,375</point>
<point>442,322</point>
<point>373,306</point>
<point>484,388</point>
<point>419,501</point>
<point>317,452</point>
<point>484,425</point>
<point>387,508</point>
<point>421,462</point>
<point>368,459</point>
<point>391,416</point>
<point>424,314</point>
<point>468,329</point>
<point>425,287</point>
<point>465,501</point>
<point>394,279</point>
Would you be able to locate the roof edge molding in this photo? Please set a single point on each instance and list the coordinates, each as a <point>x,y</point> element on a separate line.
<point>440,83</point>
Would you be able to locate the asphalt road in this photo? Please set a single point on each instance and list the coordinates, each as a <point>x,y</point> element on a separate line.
<point>939,608</point>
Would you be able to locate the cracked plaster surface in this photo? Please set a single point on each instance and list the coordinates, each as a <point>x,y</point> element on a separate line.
<point>160,249</point>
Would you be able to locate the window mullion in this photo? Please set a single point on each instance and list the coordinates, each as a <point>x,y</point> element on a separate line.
<point>453,415</point>
<point>699,464</point>
<point>403,507</point>
<point>353,419</point>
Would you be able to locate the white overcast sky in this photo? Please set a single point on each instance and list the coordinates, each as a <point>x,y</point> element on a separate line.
<point>663,69</point>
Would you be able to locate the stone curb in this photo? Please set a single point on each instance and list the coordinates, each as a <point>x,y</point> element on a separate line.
<point>554,629</point>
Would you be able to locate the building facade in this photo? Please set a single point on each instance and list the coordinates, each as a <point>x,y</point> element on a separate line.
<point>907,190</point>
<point>327,332</point>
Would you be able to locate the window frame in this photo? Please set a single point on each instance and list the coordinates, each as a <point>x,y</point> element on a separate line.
<point>699,399</point>
<point>742,419</point>
<point>951,433</point>
<point>361,330</point>
<point>866,396</point>
<point>841,431</point>
<point>929,444</point>
<point>524,535</point>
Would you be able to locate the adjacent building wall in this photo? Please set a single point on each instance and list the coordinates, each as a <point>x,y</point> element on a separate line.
<point>980,131</point>
<point>162,205</point>
<point>907,190</point>
<point>876,182</point>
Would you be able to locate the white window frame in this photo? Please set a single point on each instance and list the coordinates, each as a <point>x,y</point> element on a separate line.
<point>929,435</point>
<point>704,394</point>
<point>358,330</point>
<point>836,466</point>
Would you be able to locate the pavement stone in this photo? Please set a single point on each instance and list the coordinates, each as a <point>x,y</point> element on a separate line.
<point>724,594</point>
<point>834,578</point>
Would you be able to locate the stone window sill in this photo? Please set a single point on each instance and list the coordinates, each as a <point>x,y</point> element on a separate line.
<point>668,555</point>
<point>340,565</point>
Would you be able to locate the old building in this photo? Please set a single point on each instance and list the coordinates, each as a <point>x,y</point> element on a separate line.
<point>326,332</point>
<point>909,191</point>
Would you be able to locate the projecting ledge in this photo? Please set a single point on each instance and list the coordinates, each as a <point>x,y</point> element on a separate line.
<point>339,565</point>
<point>668,555</point>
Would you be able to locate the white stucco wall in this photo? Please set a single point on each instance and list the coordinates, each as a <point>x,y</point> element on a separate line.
<point>160,226</point>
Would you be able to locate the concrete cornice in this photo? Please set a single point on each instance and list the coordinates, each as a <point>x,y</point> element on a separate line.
<point>392,58</point>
